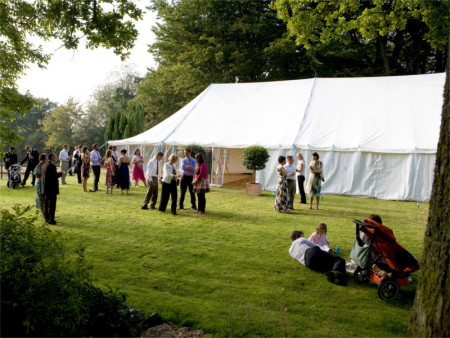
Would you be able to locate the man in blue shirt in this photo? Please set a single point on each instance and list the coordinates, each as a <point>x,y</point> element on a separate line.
<point>188,167</point>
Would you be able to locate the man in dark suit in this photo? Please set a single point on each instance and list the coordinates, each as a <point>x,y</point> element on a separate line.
<point>77,162</point>
<point>32,157</point>
<point>50,188</point>
<point>10,159</point>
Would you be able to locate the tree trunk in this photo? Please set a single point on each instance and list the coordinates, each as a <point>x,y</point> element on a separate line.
<point>430,317</point>
<point>382,41</point>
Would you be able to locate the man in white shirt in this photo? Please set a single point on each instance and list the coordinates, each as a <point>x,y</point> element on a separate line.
<point>95,166</point>
<point>313,257</point>
<point>153,177</point>
<point>289,167</point>
<point>64,159</point>
<point>301,177</point>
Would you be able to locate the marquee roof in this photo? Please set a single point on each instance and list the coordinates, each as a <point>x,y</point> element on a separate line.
<point>392,114</point>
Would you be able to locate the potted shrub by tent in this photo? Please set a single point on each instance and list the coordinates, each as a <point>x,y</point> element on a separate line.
<point>255,158</point>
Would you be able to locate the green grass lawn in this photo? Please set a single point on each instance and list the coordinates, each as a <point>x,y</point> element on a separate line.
<point>229,272</point>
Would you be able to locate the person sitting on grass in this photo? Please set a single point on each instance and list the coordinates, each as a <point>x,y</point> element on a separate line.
<point>314,258</point>
<point>319,237</point>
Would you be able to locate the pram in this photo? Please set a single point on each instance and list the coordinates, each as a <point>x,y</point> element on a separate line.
<point>14,179</point>
<point>382,260</point>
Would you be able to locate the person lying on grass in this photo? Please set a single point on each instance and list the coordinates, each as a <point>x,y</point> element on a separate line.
<point>313,257</point>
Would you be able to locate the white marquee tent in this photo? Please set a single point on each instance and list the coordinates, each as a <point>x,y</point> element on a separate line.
<point>377,137</point>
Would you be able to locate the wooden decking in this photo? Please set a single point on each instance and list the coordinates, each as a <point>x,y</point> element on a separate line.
<point>236,181</point>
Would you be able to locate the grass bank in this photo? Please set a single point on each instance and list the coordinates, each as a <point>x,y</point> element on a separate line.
<point>229,272</point>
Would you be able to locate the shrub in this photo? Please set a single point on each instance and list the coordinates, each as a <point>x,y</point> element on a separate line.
<point>255,158</point>
<point>45,293</point>
<point>196,149</point>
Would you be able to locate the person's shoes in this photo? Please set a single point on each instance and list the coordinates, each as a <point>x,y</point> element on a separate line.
<point>330,276</point>
<point>173,213</point>
<point>337,277</point>
<point>92,190</point>
<point>194,208</point>
<point>32,184</point>
<point>152,207</point>
<point>52,222</point>
<point>303,203</point>
<point>291,208</point>
<point>180,208</point>
<point>144,207</point>
<point>342,282</point>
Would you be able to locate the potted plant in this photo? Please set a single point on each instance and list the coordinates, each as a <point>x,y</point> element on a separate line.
<point>255,158</point>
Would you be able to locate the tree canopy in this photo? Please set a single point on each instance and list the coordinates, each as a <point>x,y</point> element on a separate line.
<point>409,36</point>
<point>207,41</point>
<point>107,23</point>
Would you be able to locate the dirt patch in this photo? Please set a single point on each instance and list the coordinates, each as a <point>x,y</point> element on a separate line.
<point>171,330</point>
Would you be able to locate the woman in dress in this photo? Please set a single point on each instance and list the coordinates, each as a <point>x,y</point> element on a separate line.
<point>110,172</point>
<point>138,168</point>
<point>282,200</point>
<point>85,166</point>
<point>200,182</point>
<point>124,171</point>
<point>37,172</point>
<point>169,185</point>
<point>315,180</point>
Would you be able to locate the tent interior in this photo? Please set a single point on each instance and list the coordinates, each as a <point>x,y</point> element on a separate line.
<point>225,166</point>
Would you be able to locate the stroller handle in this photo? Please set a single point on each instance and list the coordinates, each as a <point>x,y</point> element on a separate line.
<point>362,224</point>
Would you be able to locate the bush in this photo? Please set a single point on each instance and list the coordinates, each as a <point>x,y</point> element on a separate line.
<point>196,149</point>
<point>44,293</point>
<point>255,158</point>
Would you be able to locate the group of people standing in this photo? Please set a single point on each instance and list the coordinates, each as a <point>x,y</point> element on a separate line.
<point>290,175</point>
<point>194,178</point>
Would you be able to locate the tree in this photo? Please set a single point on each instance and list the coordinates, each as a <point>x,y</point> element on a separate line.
<point>100,23</point>
<point>208,41</point>
<point>408,36</point>
<point>106,101</point>
<point>59,125</point>
<point>431,312</point>
<point>255,158</point>
<point>109,129</point>
<point>122,123</point>
<point>28,127</point>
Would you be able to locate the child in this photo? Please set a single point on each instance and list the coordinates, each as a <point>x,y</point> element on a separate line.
<point>319,237</point>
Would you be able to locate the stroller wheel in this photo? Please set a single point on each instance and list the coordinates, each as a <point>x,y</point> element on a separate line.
<point>388,290</point>
<point>360,276</point>
<point>14,186</point>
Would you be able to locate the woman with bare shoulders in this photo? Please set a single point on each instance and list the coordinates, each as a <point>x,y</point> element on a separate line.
<point>85,166</point>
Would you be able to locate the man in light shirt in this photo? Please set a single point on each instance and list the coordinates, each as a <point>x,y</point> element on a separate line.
<point>301,177</point>
<point>95,166</point>
<point>187,167</point>
<point>313,257</point>
<point>289,167</point>
<point>64,159</point>
<point>153,177</point>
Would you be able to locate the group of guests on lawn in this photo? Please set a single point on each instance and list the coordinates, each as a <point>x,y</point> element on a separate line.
<point>194,178</point>
<point>289,175</point>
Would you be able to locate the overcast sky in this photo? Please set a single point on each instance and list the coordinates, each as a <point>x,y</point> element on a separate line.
<point>77,74</point>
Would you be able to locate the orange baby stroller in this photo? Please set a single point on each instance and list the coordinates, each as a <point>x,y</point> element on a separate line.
<point>381,260</point>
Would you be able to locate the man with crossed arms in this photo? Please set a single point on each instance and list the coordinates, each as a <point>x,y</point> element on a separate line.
<point>153,178</point>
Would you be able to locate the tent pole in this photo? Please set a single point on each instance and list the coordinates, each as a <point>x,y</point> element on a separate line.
<point>224,163</point>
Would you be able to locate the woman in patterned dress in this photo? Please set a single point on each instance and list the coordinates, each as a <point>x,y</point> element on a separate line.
<point>85,166</point>
<point>110,171</point>
<point>37,172</point>
<point>315,180</point>
<point>200,182</point>
<point>282,200</point>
